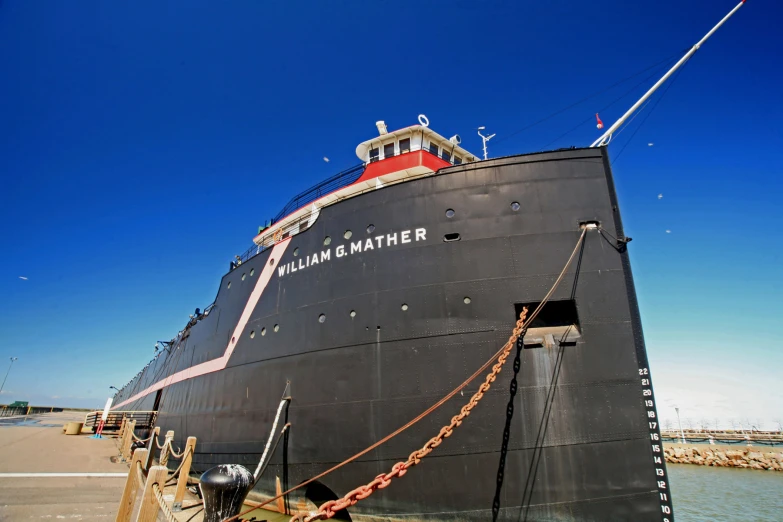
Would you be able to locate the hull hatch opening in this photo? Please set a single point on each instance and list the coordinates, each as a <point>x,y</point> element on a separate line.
<point>556,325</point>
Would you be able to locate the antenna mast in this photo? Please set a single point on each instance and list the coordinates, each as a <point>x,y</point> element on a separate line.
<point>485,139</point>
<point>606,137</point>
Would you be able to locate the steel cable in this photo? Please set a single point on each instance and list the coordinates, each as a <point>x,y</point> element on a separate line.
<point>399,471</point>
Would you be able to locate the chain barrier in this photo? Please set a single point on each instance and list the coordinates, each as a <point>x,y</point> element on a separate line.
<point>328,509</point>
<point>163,505</point>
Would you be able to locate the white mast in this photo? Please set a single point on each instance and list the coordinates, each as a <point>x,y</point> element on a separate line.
<point>606,137</point>
<point>485,139</point>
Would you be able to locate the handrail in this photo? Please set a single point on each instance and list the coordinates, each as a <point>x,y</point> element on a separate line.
<point>336,182</point>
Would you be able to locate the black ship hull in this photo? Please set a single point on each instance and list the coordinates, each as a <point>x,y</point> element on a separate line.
<point>371,338</point>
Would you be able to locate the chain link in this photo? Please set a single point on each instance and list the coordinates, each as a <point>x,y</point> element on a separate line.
<point>330,508</point>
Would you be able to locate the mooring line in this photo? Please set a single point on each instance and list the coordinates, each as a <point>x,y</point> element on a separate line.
<point>400,468</point>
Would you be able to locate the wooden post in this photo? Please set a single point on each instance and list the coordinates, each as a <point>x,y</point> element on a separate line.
<point>148,512</point>
<point>278,492</point>
<point>164,452</point>
<point>121,433</point>
<point>122,438</point>
<point>184,473</point>
<point>151,446</point>
<point>128,499</point>
<point>128,441</point>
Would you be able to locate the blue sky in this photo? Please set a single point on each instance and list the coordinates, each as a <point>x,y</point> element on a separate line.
<point>142,144</point>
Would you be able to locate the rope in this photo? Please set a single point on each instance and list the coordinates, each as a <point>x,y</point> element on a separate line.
<point>162,503</point>
<point>174,453</point>
<point>182,463</point>
<point>157,443</point>
<point>140,439</point>
<point>271,436</point>
<point>399,469</point>
<point>274,448</point>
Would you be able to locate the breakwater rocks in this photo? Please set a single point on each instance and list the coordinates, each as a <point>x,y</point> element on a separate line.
<point>750,458</point>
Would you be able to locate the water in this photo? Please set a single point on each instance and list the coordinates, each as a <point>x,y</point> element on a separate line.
<point>703,493</point>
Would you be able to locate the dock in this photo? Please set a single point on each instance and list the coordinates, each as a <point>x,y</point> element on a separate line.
<point>47,475</point>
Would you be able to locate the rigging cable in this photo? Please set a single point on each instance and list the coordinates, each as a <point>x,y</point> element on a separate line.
<point>677,75</point>
<point>589,118</point>
<point>522,325</point>
<point>601,91</point>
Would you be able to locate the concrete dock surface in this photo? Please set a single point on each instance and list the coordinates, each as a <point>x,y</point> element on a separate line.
<point>35,447</point>
<point>49,476</point>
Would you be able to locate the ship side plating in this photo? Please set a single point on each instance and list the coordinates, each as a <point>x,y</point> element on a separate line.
<point>369,336</point>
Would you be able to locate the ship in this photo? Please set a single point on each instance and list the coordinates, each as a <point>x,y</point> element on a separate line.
<point>375,293</point>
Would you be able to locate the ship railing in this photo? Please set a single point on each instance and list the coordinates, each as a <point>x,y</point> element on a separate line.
<point>114,420</point>
<point>6,411</point>
<point>339,180</point>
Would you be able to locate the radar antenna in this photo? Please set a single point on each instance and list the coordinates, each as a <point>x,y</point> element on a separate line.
<point>485,139</point>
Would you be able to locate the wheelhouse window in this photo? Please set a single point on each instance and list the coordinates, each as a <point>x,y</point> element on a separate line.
<point>388,150</point>
<point>457,160</point>
<point>446,156</point>
<point>374,154</point>
<point>405,145</point>
<point>433,148</point>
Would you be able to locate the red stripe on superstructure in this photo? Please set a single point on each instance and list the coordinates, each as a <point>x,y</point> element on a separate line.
<point>402,162</point>
<point>221,362</point>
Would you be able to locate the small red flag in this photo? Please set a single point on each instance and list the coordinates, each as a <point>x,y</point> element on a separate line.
<point>600,124</point>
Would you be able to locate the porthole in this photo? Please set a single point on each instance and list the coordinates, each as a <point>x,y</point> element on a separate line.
<point>370,229</point>
<point>229,285</point>
<point>515,206</point>
<point>296,251</point>
<point>263,332</point>
<point>271,261</point>
<point>347,234</point>
<point>252,271</point>
<point>451,237</point>
<point>450,213</point>
<point>466,300</point>
<point>322,318</point>
<point>353,314</point>
<point>404,307</point>
<point>252,334</point>
<point>327,241</point>
<point>276,328</point>
<point>244,276</point>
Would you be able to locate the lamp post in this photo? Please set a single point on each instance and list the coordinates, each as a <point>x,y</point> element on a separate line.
<point>680,424</point>
<point>6,373</point>
<point>114,388</point>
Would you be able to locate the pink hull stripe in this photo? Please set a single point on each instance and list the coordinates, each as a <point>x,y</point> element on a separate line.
<point>215,365</point>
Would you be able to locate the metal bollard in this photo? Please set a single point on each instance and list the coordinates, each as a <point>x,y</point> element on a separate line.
<point>224,489</point>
